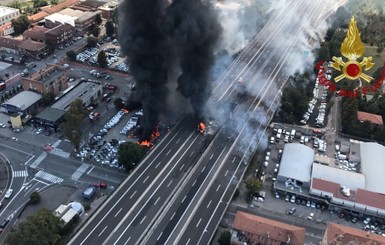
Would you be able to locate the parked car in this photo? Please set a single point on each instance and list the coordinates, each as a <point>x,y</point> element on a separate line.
<point>292,211</point>
<point>311,216</point>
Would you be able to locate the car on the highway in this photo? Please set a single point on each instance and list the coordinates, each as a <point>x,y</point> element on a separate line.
<point>4,223</point>
<point>311,216</point>
<point>8,194</point>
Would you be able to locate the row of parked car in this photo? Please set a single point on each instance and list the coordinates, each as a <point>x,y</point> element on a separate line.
<point>108,154</point>
<point>86,54</point>
<point>133,122</point>
<point>122,67</point>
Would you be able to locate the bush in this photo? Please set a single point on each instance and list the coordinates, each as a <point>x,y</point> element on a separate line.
<point>34,198</point>
<point>86,206</point>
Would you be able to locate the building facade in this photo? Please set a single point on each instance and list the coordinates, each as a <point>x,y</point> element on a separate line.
<point>60,35</point>
<point>7,14</point>
<point>6,29</point>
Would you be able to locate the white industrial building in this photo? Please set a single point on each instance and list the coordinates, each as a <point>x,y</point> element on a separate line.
<point>7,14</point>
<point>373,166</point>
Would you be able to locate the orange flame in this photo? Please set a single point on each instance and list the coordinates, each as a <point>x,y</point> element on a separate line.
<point>202,127</point>
<point>155,134</point>
<point>144,143</point>
<point>125,111</point>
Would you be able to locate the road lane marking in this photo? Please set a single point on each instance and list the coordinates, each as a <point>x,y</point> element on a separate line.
<point>169,184</point>
<point>188,241</point>
<point>172,216</point>
<point>227,171</point>
<point>102,231</point>
<point>194,182</point>
<point>168,152</point>
<point>142,220</point>
<point>208,205</point>
<point>146,179</point>
<point>158,164</point>
<point>127,241</point>
<point>89,171</point>
<point>133,194</point>
<point>234,159</point>
<point>192,153</point>
<point>159,236</point>
<point>178,140</point>
<point>156,200</point>
<point>180,169</point>
<point>218,187</point>
<point>118,212</point>
<point>199,222</point>
<point>184,198</point>
<point>212,156</point>
<point>203,169</point>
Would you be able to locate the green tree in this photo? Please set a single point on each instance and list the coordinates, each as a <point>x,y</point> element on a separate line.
<point>98,19</point>
<point>118,102</point>
<point>92,42</point>
<point>95,31</point>
<point>54,2</point>
<point>129,155</point>
<point>48,98</point>
<point>34,198</point>
<point>39,3</point>
<point>253,185</point>
<point>73,120</point>
<point>102,59</point>
<point>16,4</point>
<point>20,24</point>
<point>40,228</point>
<point>379,49</point>
<point>71,55</point>
<point>110,28</point>
<point>225,238</point>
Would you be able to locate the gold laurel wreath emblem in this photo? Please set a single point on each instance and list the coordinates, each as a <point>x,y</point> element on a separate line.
<point>352,49</point>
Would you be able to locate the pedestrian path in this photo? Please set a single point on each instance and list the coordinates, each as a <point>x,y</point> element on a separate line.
<point>80,171</point>
<point>21,173</point>
<point>60,153</point>
<point>49,177</point>
<point>38,160</point>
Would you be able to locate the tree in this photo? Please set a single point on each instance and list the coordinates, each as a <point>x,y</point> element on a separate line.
<point>379,49</point>
<point>98,19</point>
<point>225,238</point>
<point>102,59</point>
<point>110,28</point>
<point>54,2</point>
<point>71,55</point>
<point>48,98</point>
<point>73,120</point>
<point>15,4</point>
<point>40,228</point>
<point>92,42</point>
<point>253,185</point>
<point>34,198</point>
<point>39,3</point>
<point>118,102</point>
<point>95,31</point>
<point>129,154</point>
<point>20,24</point>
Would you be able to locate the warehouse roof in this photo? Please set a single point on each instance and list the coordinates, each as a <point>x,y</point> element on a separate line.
<point>296,162</point>
<point>23,100</point>
<point>373,166</point>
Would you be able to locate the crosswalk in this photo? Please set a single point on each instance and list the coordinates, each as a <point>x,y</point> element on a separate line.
<point>20,173</point>
<point>56,144</point>
<point>49,177</point>
<point>60,153</point>
<point>38,160</point>
<point>79,172</point>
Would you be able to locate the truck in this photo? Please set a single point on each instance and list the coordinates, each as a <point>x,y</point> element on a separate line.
<point>2,86</point>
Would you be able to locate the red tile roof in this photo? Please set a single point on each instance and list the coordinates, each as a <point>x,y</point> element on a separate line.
<point>373,118</point>
<point>5,27</point>
<point>10,43</point>
<point>31,45</point>
<point>37,17</point>
<point>256,226</point>
<point>60,6</point>
<point>341,234</point>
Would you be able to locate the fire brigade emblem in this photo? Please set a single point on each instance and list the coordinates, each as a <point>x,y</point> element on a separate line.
<point>352,49</point>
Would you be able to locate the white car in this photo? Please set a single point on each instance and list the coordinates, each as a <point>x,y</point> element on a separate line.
<point>8,194</point>
<point>311,216</point>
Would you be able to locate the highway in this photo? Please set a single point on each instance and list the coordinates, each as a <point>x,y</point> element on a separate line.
<point>182,188</point>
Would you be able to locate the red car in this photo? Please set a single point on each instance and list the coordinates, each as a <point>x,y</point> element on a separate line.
<point>103,185</point>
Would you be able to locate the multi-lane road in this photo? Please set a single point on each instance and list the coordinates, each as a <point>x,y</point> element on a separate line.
<point>182,188</point>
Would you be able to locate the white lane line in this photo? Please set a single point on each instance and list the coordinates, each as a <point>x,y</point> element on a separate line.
<point>192,153</point>
<point>234,159</point>
<point>188,241</point>
<point>178,140</point>
<point>218,187</point>
<point>146,179</point>
<point>142,219</point>
<point>203,169</point>
<point>158,164</point>
<point>156,200</point>
<point>159,236</point>
<point>89,171</point>
<point>118,212</point>
<point>184,198</point>
<point>212,156</point>
<point>102,231</point>
<point>133,194</point>
<point>208,205</point>
<point>180,169</point>
<point>199,222</point>
<point>194,182</point>
<point>127,241</point>
<point>227,171</point>
<point>172,216</point>
<point>168,152</point>
<point>169,184</point>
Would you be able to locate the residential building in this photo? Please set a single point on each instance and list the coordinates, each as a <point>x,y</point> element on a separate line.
<point>6,29</point>
<point>89,5</point>
<point>57,19</point>
<point>37,17</point>
<point>36,33</point>
<point>86,21</point>
<point>56,8</point>
<point>340,234</point>
<point>59,35</point>
<point>9,45</point>
<point>51,79</point>
<point>251,229</point>
<point>33,49</point>
<point>372,118</point>
<point>7,14</point>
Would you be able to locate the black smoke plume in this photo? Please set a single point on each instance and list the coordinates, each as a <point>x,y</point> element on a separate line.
<point>160,40</point>
<point>147,50</point>
<point>194,29</point>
